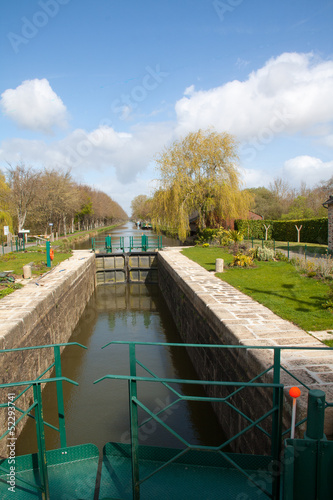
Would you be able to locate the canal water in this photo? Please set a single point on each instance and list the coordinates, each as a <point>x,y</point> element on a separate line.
<point>99,413</point>
<point>126,230</point>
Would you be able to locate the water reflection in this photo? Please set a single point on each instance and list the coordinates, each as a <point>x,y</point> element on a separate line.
<point>99,413</point>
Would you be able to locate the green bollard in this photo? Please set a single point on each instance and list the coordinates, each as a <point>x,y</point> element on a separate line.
<point>316,415</point>
<point>48,257</point>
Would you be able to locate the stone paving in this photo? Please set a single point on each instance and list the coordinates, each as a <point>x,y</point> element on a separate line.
<point>254,324</point>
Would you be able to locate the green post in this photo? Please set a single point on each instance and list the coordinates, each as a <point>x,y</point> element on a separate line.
<point>252,241</point>
<point>60,397</point>
<point>305,252</point>
<point>288,250</point>
<point>316,415</point>
<point>42,462</point>
<point>48,258</point>
<point>134,426</point>
<point>277,420</point>
<point>262,242</point>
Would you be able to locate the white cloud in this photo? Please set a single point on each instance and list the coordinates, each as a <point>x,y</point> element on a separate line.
<point>33,105</point>
<point>306,169</point>
<point>255,177</point>
<point>102,149</point>
<point>290,93</point>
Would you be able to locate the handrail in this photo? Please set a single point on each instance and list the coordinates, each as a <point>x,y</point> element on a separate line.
<point>56,364</point>
<point>275,412</point>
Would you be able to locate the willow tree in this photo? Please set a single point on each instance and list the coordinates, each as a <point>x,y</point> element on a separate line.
<point>198,174</point>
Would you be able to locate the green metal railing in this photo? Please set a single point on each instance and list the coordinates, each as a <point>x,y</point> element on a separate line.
<point>143,243</point>
<point>275,413</point>
<point>37,406</point>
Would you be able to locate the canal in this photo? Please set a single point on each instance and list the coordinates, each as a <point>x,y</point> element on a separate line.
<point>126,230</point>
<point>100,413</point>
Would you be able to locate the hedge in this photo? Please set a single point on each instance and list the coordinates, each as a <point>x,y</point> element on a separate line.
<point>313,230</point>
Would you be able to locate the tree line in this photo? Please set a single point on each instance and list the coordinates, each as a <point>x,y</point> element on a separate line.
<point>281,201</point>
<point>198,176</point>
<point>51,200</point>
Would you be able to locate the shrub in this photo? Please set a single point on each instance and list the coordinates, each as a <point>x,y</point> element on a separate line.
<point>313,230</point>
<point>241,260</point>
<point>264,253</point>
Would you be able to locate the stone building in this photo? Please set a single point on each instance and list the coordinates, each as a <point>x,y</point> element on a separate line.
<point>329,205</point>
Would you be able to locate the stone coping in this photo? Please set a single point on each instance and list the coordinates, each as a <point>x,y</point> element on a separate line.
<point>253,324</point>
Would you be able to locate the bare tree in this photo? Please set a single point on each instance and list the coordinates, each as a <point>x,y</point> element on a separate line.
<point>23,183</point>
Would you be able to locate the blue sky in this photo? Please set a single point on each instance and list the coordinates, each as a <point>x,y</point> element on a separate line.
<point>101,86</point>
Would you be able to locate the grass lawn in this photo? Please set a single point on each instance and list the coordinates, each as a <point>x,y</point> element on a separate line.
<point>277,285</point>
<point>15,261</point>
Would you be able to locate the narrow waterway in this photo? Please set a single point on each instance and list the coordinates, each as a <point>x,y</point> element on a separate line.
<point>99,413</point>
<point>126,230</point>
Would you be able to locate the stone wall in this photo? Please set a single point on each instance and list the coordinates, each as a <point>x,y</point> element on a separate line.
<point>209,311</point>
<point>45,311</point>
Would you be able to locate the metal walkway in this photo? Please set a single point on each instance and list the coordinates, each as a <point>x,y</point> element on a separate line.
<point>111,244</point>
<point>134,471</point>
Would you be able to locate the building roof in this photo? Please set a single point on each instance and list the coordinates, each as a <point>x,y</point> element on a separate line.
<point>328,202</point>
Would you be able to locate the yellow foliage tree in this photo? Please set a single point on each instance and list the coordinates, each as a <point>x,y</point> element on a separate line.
<point>198,174</point>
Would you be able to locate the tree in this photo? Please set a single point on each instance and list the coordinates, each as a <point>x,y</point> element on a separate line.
<point>23,183</point>
<point>141,207</point>
<point>198,174</point>
<point>265,203</point>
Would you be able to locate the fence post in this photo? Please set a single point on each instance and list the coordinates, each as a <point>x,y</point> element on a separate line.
<point>288,250</point>
<point>134,425</point>
<point>276,421</point>
<point>60,397</point>
<point>42,463</point>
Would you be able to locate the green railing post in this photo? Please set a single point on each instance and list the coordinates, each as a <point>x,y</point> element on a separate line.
<point>92,244</point>
<point>316,415</point>
<point>108,244</point>
<point>262,242</point>
<point>48,257</point>
<point>134,425</point>
<point>60,397</point>
<point>276,421</point>
<point>42,462</point>
<point>305,252</point>
<point>252,241</point>
<point>288,250</point>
